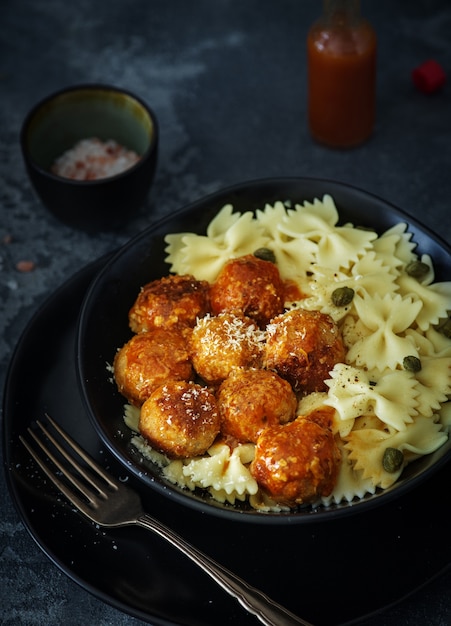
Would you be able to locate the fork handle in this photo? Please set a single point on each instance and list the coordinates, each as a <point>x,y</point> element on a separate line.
<point>266,610</point>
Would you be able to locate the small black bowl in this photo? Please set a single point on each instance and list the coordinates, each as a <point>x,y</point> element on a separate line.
<point>62,119</point>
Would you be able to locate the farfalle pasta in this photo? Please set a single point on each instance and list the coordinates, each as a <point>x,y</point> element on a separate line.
<point>385,319</point>
<point>367,278</point>
<point>229,235</point>
<point>433,384</point>
<point>366,448</point>
<point>292,259</point>
<point>395,246</point>
<point>392,390</point>
<point>391,396</point>
<point>434,299</point>
<point>336,246</point>
<point>222,470</point>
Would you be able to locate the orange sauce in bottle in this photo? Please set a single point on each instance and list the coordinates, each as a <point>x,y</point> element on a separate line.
<point>341,56</point>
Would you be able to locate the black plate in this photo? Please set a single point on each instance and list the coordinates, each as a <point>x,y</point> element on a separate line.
<point>361,564</point>
<point>104,328</point>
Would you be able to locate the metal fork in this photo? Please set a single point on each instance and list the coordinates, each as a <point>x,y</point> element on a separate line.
<point>109,503</point>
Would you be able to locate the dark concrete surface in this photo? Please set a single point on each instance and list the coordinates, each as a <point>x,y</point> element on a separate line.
<point>227,80</point>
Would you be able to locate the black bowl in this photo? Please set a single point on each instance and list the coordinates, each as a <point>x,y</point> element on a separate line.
<point>62,119</point>
<point>103,327</point>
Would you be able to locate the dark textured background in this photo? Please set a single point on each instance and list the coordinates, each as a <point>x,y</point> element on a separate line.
<point>227,80</point>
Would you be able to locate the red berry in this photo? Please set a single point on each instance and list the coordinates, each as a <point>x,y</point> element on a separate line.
<point>429,76</point>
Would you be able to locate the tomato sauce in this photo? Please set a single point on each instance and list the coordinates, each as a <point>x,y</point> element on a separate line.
<point>341,82</point>
<point>292,293</point>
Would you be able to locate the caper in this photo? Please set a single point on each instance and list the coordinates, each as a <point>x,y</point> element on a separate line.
<point>411,363</point>
<point>392,459</point>
<point>342,296</point>
<point>265,254</point>
<point>417,269</point>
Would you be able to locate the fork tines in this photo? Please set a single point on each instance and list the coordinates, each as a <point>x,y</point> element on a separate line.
<point>67,466</point>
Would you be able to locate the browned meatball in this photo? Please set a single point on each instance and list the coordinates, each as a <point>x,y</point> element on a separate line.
<point>296,463</point>
<point>220,343</point>
<point>149,359</point>
<point>251,400</point>
<point>169,301</point>
<point>323,416</point>
<point>249,286</point>
<point>303,347</point>
<point>180,419</point>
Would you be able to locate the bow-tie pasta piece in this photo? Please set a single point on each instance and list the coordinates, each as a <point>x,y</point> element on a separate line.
<point>387,318</point>
<point>222,471</point>
<point>229,235</point>
<point>350,482</point>
<point>391,396</point>
<point>337,246</point>
<point>367,446</point>
<point>435,299</point>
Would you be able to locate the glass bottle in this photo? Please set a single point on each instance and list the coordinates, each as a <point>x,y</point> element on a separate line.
<point>341,63</point>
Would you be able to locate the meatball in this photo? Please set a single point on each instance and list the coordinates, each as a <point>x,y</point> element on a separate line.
<point>296,463</point>
<point>169,301</point>
<point>251,400</point>
<point>323,416</point>
<point>220,343</point>
<point>249,286</point>
<point>149,359</point>
<point>180,419</point>
<point>303,347</point>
